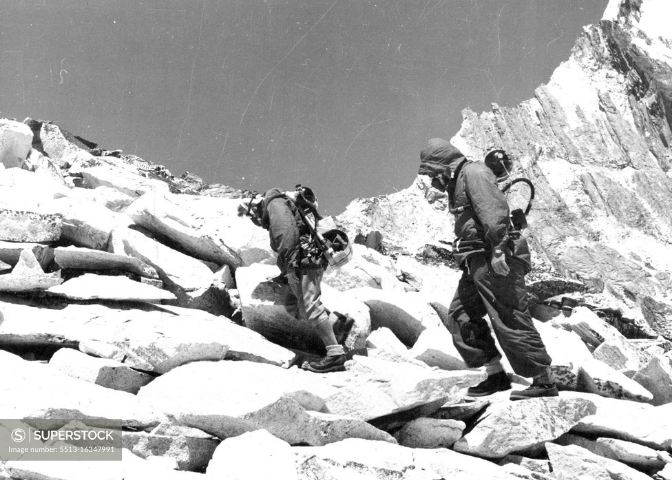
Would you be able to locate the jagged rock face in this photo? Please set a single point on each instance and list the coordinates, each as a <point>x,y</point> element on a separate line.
<point>595,141</point>
<point>408,219</point>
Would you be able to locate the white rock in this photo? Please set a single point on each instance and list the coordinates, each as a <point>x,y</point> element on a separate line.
<point>218,219</point>
<point>437,283</point>
<point>28,276</point>
<point>656,377</point>
<point>381,388</point>
<point>127,182</point>
<point>189,448</point>
<point>430,433</point>
<point>101,371</point>
<point>635,455</point>
<point>108,197</point>
<point>159,213</point>
<point>23,385</point>
<point>16,140</point>
<point>88,259</point>
<point>10,252</point>
<point>87,224</point>
<point>517,426</point>
<point>570,463</point>
<point>135,468</point>
<point>286,403</point>
<point>149,337</point>
<point>255,455</point>
<point>383,339</point>
<point>65,470</point>
<point>598,378</point>
<point>174,268</point>
<point>361,459</point>
<point>360,272</point>
<point>406,314</point>
<point>435,348</point>
<point>103,287</point>
<point>27,226</point>
<point>630,421</point>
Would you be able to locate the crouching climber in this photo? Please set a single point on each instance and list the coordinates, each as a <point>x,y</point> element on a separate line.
<point>494,261</point>
<point>302,263</point>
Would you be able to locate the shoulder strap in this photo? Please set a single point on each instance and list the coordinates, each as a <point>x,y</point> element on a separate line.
<point>451,189</point>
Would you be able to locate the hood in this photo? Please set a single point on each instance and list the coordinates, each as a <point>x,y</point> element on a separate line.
<point>437,156</point>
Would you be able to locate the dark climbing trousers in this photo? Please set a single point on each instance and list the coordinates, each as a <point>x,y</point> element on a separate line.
<point>504,300</point>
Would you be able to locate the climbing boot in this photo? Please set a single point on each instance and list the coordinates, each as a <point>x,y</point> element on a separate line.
<point>330,363</point>
<point>496,382</point>
<point>342,327</point>
<point>536,390</point>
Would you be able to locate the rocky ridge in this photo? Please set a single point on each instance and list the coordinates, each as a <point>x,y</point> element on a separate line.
<point>128,293</point>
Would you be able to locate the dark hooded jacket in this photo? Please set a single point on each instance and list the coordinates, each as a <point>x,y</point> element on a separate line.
<point>285,228</point>
<point>484,224</point>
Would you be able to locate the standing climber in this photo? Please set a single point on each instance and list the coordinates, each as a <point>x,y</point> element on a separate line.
<point>302,263</point>
<point>494,261</point>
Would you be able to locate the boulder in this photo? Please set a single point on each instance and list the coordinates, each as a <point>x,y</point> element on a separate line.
<point>87,224</point>
<point>632,454</point>
<point>190,448</point>
<point>28,276</point>
<point>15,143</point>
<point>254,455</point>
<point>23,385</point>
<point>106,175</point>
<point>64,470</point>
<point>159,214</point>
<point>630,421</point>
<point>154,338</point>
<point>406,314</point>
<point>103,287</point>
<point>585,323</point>
<point>598,378</point>
<point>361,272</point>
<point>620,356</point>
<point>567,353</point>
<point>269,308</point>
<point>435,347</point>
<point>656,377</point>
<point>57,143</point>
<point>430,433</point>
<point>26,226</point>
<point>136,468</point>
<point>24,190</point>
<point>101,371</point>
<point>77,258</point>
<point>379,388</point>
<point>572,462</point>
<point>523,426</point>
<point>177,270</point>
<point>108,197</point>
<point>286,403</point>
<point>217,218</point>
<point>10,252</point>
<point>533,465</point>
<point>383,339</point>
<point>436,283</point>
<point>361,459</point>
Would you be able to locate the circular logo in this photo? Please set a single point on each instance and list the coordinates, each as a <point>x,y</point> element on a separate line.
<point>18,435</point>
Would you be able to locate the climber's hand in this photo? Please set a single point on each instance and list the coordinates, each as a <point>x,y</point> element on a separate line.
<point>499,262</point>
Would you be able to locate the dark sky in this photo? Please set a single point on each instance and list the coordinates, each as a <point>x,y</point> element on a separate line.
<point>339,95</point>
